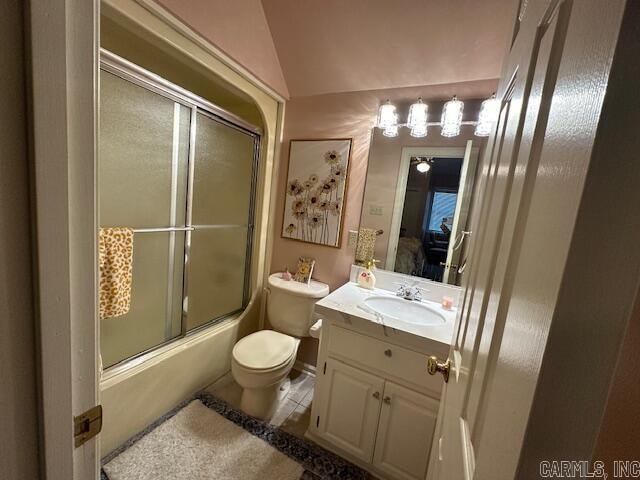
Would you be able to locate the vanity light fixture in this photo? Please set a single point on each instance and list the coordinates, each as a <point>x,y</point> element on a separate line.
<point>390,131</point>
<point>417,119</point>
<point>419,131</point>
<point>387,116</point>
<point>450,122</point>
<point>489,111</point>
<point>451,117</point>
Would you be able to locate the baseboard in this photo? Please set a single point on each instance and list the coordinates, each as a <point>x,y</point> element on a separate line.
<point>305,368</point>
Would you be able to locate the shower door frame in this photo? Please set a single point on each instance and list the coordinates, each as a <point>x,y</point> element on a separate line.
<point>128,71</point>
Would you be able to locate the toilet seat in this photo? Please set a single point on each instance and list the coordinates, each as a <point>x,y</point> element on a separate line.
<point>264,350</point>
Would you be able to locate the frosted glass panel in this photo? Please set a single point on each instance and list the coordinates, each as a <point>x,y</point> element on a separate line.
<point>216,267</point>
<point>147,323</point>
<point>222,174</point>
<point>144,149</point>
<point>144,183</point>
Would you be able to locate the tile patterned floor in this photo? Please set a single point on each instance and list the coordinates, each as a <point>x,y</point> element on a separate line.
<point>294,411</point>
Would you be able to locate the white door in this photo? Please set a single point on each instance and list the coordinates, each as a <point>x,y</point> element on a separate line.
<point>64,65</point>
<point>405,432</point>
<point>351,408</point>
<point>469,445</point>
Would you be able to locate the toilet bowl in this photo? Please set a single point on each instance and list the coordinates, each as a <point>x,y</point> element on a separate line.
<point>261,361</point>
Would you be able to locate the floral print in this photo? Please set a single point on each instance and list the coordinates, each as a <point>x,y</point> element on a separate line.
<point>332,157</point>
<point>315,200</point>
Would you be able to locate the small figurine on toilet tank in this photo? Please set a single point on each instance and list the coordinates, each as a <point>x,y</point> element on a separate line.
<point>286,275</point>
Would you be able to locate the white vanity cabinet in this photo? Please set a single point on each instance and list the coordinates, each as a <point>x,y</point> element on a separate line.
<point>374,402</point>
<point>405,432</point>
<point>351,408</point>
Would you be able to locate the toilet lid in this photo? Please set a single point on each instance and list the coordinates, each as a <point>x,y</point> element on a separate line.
<point>264,349</point>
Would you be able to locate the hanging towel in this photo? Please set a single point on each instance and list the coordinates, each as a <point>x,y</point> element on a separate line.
<point>116,269</point>
<point>366,246</point>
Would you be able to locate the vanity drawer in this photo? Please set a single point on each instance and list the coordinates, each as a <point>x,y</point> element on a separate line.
<point>390,359</point>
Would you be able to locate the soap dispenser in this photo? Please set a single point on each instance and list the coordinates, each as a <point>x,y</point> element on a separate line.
<point>366,278</point>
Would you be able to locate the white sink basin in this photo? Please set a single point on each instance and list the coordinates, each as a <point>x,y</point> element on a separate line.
<point>405,310</point>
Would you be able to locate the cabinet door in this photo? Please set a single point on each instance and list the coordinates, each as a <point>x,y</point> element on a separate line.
<point>407,423</point>
<point>351,409</point>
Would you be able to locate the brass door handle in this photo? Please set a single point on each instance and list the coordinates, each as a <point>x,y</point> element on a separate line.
<point>436,366</point>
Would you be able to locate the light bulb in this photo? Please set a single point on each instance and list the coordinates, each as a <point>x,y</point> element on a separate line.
<point>489,112</point>
<point>423,167</point>
<point>390,131</point>
<point>387,116</point>
<point>418,115</point>
<point>451,117</point>
<point>419,131</point>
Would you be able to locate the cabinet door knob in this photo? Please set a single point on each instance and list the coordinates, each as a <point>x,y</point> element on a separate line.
<point>387,352</point>
<point>387,400</point>
<point>376,395</point>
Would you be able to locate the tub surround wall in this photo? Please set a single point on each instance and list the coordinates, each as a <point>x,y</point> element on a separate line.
<point>134,399</point>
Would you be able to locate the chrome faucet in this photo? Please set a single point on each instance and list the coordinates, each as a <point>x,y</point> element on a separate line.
<point>409,292</point>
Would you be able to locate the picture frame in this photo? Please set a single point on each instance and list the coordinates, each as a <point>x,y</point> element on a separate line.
<point>316,185</point>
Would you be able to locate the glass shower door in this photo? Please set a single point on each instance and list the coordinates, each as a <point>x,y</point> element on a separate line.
<point>143,158</point>
<point>220,208</point>
<point>181,173</point>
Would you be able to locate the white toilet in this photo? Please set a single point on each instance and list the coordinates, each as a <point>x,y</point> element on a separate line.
<point>261,362</point>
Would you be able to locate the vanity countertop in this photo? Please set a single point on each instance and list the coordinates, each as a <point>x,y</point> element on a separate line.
<point>347,304</point>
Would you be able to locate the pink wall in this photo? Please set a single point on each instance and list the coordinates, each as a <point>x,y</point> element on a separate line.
<point>343,115</point>
<point>240,29</point>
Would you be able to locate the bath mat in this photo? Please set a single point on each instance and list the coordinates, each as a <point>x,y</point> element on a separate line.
<point>318,462</point>
<point>198,443</point>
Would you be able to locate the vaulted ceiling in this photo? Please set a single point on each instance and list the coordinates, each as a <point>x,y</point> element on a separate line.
<point>328,46</point>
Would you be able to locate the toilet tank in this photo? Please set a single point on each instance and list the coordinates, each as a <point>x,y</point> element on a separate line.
<point>290,304</point>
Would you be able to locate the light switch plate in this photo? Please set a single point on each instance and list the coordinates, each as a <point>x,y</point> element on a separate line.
<point>352,239</point>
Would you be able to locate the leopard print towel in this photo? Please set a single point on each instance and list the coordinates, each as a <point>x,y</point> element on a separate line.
<point>366,246</point>
<point>116,269</point>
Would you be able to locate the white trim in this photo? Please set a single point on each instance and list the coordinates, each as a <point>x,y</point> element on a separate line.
<point>64,75</point>
<point>401,189</point>
<point>185,30</point>
<point>398,208</point>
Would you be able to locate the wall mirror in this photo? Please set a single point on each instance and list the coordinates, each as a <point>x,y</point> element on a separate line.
<point>416,205</point>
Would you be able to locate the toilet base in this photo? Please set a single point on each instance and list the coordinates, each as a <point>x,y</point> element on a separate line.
<point>261,402</point>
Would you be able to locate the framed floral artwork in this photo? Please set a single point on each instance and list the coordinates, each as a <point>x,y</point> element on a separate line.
<point>316,186</point>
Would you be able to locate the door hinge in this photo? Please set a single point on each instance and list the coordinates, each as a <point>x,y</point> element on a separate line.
<point>324,370</point>
<point>318,421</point>
<point>87,425</point>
